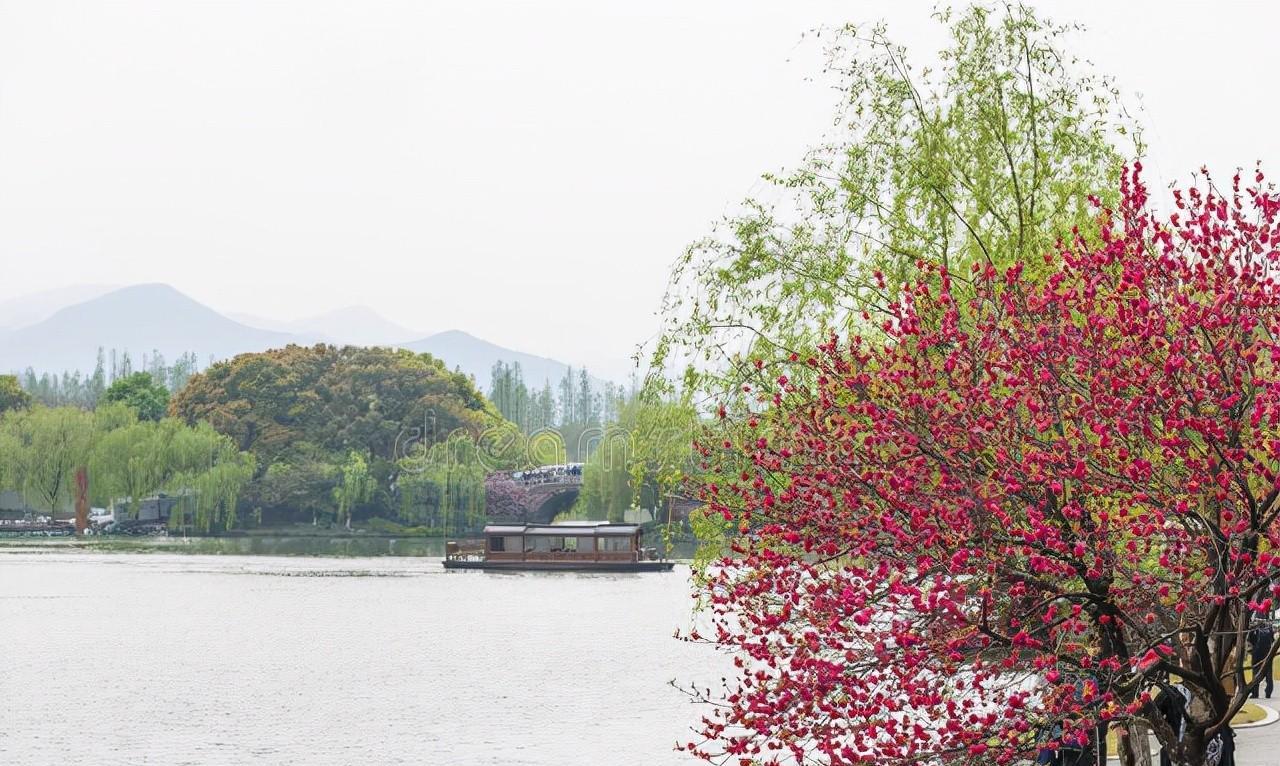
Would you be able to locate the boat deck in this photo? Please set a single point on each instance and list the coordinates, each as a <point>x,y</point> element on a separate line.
<point>560,566</point>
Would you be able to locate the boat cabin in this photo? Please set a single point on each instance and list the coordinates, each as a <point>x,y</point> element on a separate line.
<point>577,546</point>
<point>579,541</point>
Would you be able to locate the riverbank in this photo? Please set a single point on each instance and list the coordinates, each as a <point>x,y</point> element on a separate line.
<point>240,545</point>
<point>257,543</point>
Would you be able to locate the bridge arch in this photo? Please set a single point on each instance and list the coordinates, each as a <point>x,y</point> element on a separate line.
<point>514,497</point>
<point>546,508</point>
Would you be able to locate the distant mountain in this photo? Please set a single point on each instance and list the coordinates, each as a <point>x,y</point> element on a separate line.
<point>139,319</point>
<point>354,326</point>
<point>476,357</point>
<point>33,307</point>
<point>145,318</point>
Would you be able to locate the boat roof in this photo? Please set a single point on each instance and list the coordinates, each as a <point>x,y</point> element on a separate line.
<point>570,529</point>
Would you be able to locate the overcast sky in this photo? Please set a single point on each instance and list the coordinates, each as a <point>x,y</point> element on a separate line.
<point>525,171</point>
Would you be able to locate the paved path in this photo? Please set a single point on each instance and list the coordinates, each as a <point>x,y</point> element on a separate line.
<point>1259,746</point>
<point>1255,746</point>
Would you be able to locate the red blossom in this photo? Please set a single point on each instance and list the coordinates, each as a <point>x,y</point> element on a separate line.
<point>1026,507</point>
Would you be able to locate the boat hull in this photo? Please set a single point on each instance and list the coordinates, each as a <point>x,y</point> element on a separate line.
<point>561,566</point>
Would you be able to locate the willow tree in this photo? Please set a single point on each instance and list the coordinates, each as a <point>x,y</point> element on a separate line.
<point>987,158</point>
<point>43,449</point>
<point>444,484</point>
<point>128,465</point>
<point>198,465</point>
<point>355,488</point>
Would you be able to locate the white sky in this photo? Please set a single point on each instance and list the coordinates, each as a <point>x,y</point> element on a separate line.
<point>482,164</point>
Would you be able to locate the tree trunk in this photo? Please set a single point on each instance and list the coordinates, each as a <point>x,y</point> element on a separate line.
<point>1189,752</point>
<point>1133,746</point>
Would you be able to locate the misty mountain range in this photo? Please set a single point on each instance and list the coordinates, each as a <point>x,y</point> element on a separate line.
<point>59,330</point>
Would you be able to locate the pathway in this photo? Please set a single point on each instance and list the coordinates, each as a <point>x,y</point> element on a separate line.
<point>1258,746</point>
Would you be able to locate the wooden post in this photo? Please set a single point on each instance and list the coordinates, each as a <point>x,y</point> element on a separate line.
<point>82,500</point>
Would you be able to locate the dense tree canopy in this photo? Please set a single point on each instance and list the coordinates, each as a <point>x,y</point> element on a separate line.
<point>304,413</point>
<point>337,399</point>
<point>1008,521</point>
<point>140,392</point>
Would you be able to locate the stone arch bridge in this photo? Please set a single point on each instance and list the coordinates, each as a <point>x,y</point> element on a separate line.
<point>538,497</point>
<point>533,499</point>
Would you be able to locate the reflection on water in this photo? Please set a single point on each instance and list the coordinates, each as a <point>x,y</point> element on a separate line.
<point>168,659</point>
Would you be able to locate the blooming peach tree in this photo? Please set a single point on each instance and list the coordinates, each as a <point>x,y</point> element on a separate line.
<point>999,526</point>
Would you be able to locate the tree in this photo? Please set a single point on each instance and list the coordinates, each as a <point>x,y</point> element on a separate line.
<point>508,393</point>
<point>1034,513</point>
<point>141,392</point>
<point>43,449</point>
<point>445,489</point>
<point>354,488</point>
<point>989,157</point>
<point>295,406</point>
<point>568,399</point>
<point>588,407</point>
<point>642,460</point>
<point>97,383</point>
<point>334,399</point>
<point>207,472</point>
<point>12,397</point>
<point>129,465</point>
<point>304,483</point>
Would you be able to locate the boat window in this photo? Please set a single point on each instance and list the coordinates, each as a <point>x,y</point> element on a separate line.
<point>497,544</point>
<point>614,543</point>
<point>571,543</point>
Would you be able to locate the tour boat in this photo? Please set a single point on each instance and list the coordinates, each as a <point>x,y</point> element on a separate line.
<point>579,546</point>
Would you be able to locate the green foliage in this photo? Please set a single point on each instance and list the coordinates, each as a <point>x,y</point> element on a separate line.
<point>990,158</point>
<point>202,467</point>
<point>444,487</point>
<point>304,484</point>
<point>333,399</point>
<point>355,487</point>
<point>12,397</point>
<point>77,389</point>
<point>642,460</point>
<point>305,412</point>
<point>42,449</point>
<point>139,391</point>
<point>582,407</point>
<point>713,533</point>
<point>127,460</point>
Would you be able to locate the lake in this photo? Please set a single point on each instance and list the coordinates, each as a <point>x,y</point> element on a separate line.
<point>160,658</point>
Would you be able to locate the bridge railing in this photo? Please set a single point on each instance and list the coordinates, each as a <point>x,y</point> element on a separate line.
<point>554,478</point>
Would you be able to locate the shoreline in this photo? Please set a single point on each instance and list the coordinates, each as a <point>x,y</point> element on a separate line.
<point>360,545</point>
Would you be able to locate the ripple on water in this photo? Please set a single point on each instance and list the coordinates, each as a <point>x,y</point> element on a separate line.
<point>200,660</point>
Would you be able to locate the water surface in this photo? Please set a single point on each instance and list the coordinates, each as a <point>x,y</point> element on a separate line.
<point>181,659</point>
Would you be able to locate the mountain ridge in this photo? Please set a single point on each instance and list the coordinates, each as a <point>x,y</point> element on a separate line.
<point>146,318</point>
<point>139,319</point>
